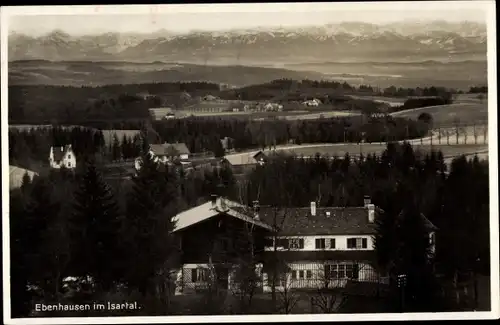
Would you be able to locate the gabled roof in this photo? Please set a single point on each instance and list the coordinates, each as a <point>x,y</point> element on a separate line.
<point>208,210</point>
<point>341,221</point>
<point>163,149</point>
<point>243,158</point>
<point>59,152</point>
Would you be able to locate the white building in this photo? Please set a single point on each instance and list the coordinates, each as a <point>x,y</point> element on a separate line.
<point>62,157</point>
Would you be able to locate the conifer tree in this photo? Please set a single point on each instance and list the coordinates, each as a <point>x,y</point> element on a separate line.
<point>95,227</point>
<point>148,224</point>
<point>115,148</point>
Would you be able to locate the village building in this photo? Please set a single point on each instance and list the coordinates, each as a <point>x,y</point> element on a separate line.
<point>243,162</point>
<point>312,103</point>
<point>165,153</point>
<point>62,157</point>
<point>315,246</point>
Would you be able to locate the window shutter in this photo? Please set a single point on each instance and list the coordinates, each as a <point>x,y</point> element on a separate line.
<point>355,271</point>
<point>317,243</point>
<point>332,243</point>
<point>193,275</point>
<point>365,243</point>
<point>350,243</point>
<point>301,243</point>
<point>286,243</point>
<point>294,275</point>
<point>327,271</point>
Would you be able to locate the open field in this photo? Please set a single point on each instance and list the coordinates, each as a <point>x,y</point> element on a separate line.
<point>158,114</point>
<point>391,101</point>
<point>449,114</point>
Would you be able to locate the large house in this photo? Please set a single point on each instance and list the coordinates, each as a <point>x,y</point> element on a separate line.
<point>166,152</point>
<point>316,246</point>
<point>62,157</point>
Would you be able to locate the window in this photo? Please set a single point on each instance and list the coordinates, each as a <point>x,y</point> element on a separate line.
<point>301,274</point>
<point>269,242</point>
<point>309,274</point>
<point>294,275</point>
<point>357,243</point>
<point>332,243</point>
<point>283,242</point>
<point>342,271</point>
<point>320,243</point>
<point>296,243</point>
<point>199,275</point>
<point>69,164</point>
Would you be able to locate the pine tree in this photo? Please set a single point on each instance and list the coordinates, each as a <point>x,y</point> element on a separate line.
<point>42,213</point>
<point>95,229</point>
<point>115,148</point>
<point>125,147</point>
<point>148,224</point>
<point>412,257</point>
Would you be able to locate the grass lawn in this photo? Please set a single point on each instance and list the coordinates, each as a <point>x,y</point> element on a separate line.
<point>465,112</point>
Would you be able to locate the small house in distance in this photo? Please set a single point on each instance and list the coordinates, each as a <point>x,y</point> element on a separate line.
<point>62,157</point>
<point>166,152</point>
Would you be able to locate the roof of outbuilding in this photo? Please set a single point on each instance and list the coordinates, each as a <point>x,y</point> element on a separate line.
<point>163,149</point>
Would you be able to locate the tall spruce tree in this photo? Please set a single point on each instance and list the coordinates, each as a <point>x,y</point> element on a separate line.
<point>148,224</point>
<point>115,148</point>
<point>95,227</point>
<point>42,213</point>
<point>412,256</point>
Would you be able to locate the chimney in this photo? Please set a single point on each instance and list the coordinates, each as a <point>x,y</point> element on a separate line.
<point>313,208</point>
<point>256,209</point>
<point>213,199</point>
<point>371,212</point>
<point>367,200</point>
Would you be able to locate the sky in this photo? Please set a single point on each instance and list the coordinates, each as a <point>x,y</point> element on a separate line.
<point>185,18</point>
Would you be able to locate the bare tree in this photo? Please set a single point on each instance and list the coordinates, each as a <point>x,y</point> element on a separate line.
<point>287,297</point>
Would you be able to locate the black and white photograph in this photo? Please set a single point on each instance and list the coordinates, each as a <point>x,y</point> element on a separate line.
<point>249,162</point>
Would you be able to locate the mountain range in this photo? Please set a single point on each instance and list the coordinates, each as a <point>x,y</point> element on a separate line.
<point>340,42</point>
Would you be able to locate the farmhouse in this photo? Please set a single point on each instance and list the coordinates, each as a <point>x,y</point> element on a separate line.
<point>327,246</point>
<point>165,153</point>
<point>62,157</point>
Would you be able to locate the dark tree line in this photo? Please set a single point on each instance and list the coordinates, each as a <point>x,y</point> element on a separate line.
<point>478,90</point>
<point>202,134</point>
<point>118,234</point>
